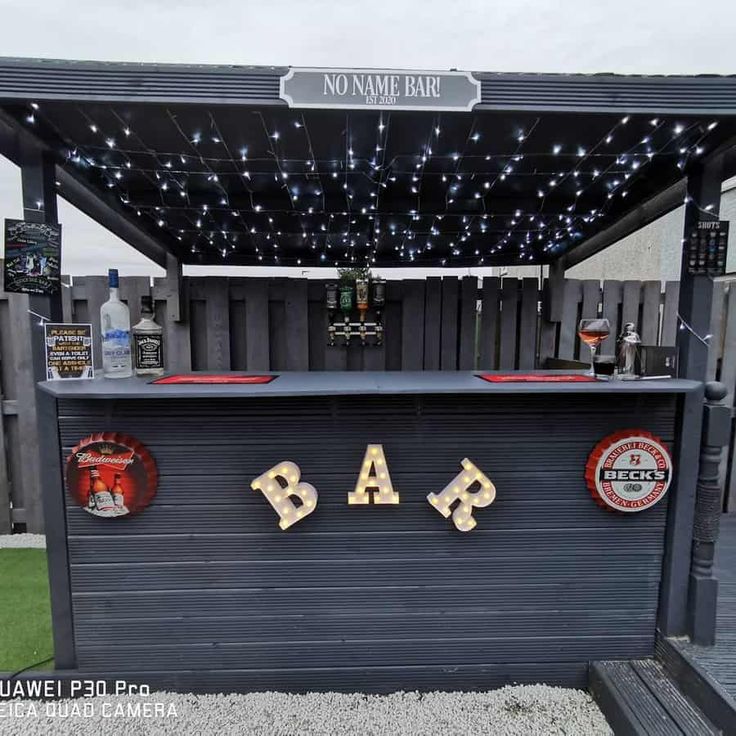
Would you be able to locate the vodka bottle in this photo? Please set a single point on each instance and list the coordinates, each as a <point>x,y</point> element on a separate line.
<point>115,325</point>
<point>148,342</point>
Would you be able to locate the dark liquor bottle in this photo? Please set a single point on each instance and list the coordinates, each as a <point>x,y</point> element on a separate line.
<point>148,342</point>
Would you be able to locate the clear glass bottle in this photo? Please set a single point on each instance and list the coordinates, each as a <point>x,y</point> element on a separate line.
<point>115,328</point>
<point>148,342</point>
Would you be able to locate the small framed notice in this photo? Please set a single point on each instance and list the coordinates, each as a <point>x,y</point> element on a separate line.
<point>32,257</point>
<point>68,351</point>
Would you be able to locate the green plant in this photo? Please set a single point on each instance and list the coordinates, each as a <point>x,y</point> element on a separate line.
<point>351,275</point>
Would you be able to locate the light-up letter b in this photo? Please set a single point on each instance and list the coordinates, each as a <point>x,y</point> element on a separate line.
<point>457,490</point>
<point>278,485</point>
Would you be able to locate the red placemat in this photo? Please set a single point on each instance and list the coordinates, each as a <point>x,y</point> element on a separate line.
<point>212,378</point>
<point>536,378</point>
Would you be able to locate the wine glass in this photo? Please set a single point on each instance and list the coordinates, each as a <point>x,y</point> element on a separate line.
<point>593,332</point>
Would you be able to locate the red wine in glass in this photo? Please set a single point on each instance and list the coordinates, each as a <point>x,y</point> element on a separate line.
<point>593,332</point>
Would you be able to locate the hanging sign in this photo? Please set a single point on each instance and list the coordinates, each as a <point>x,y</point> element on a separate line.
<point>629,471</point>
<point>380,89</point>
<point>707,248</point>
<point>68,351</point>
<point>32,257</point>
<point>111,475</point>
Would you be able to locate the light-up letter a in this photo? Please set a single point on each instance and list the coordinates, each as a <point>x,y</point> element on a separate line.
<point>278,485</point>
<point>373,475</point>
<point>457,490</point>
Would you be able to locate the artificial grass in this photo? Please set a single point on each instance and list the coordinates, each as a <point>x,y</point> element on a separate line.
<point>25,613</point>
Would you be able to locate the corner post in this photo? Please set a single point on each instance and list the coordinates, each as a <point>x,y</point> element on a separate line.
<point>696,292</point>
<point>703,590</point>
<point>40,205</point>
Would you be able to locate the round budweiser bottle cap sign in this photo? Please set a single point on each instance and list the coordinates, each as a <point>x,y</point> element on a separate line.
<point>111,475</point>
<point>629,470</point>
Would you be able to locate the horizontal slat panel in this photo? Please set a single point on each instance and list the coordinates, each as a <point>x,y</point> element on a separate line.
<point>113,575</point>
<point>399,651</point>
<point>371,624</point>
<point>485,545</point>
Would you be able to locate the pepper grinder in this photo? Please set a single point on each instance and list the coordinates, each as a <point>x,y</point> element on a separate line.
<point>627,351</point>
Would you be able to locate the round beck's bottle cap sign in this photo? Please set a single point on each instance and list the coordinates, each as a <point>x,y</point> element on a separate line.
<point>629,470</point>
<point>111,475</point>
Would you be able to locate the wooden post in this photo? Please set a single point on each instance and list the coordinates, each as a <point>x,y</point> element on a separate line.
<point>39,205</point>
<point>696,292</point>
<point>703,592</point>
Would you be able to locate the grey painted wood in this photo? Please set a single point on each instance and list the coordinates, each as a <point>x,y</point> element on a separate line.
<point>257,325</point>
<point>448,335</point>
<point>591,297</point>
<point>24,331</point>
<point>612,293</point>
<point>680,515</point>
<point>432,323</point>
<point>57,553</point>
<point>177,336</point>
<point>669,313</point>
<point>489,320</point>
<point>412,325</point>
<point>67,303</point>
<point>718,321</point>
<point>297,326</point>
<point>509,318</point>
<point>528,320</point>
<point>5,521</point>
<point>132,288</point>
<point>539,559</point>
<point>217,323</point>
<point>630,303</point>
<point>569,324</point>
<point>651,292</point>
<point>468,319</point>
<point>96,292</point>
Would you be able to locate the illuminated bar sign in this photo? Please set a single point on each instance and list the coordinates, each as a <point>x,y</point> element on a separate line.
<point>380,88</point>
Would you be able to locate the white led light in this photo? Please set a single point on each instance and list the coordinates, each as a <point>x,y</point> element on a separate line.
<point>368,478</point>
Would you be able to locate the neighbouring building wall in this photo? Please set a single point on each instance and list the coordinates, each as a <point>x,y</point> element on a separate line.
<point>654,251</point>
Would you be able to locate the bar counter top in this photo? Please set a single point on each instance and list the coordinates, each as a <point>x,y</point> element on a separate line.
<point>332,383</point>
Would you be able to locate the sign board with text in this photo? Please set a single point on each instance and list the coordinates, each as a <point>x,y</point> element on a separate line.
<point>68,351</point>
<point>380,89</point>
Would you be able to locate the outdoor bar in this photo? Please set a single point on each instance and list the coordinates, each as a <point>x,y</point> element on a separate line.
<point>353,499</point>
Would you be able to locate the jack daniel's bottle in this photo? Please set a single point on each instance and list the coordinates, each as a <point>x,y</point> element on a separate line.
<point>148,342</point>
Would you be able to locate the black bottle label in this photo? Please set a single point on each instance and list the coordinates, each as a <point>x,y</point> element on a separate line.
<point>149,351</point>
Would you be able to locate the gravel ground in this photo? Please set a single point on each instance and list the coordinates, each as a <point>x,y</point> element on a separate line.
<point>522,710</point>
<point>24,541</point>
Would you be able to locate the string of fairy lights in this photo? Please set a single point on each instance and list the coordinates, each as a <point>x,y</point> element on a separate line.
<point>467,194</point>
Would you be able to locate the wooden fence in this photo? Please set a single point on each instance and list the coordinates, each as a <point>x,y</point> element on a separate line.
<point>280,324</point>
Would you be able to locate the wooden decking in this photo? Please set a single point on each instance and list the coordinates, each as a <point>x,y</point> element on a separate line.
<point>720,661</point>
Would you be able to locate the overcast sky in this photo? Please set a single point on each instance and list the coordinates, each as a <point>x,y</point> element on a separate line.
<point>624,36</point>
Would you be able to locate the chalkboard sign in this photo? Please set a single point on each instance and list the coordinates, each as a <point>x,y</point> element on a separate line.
<point>707,247</point>
<point>32,257</point>
<point>68,351</point>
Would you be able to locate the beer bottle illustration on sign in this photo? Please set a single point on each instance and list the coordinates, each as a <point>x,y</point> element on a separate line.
<point>118,496</point>
<point>104,505</point>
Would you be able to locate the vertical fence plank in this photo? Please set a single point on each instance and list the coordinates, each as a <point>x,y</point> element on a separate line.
<point>649,330</point>
<point>727,377</point>
<point>317,325</point>
<point>5,520</point>
<point>132,288</point>
<point>509,309</point>
<point>630,304</point>
<point>28,480</point>
<point>67,304</point>
<point>217,299</point>
<point>717,328</point>
<point>611,303</point>
<point>392,334</point>
<point>96,293</point>
<point>468,318</point>
<point>448,334</point>
<point>569,323</point>
<point>489,323</point>
<point>412,325</point>
<point>257,348</point>
<point>432,323</point>
<point>669,313</point>
<point>297,325</point>
<point>177,334</point>
<point>591,295</point>
<point>529,319</point>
